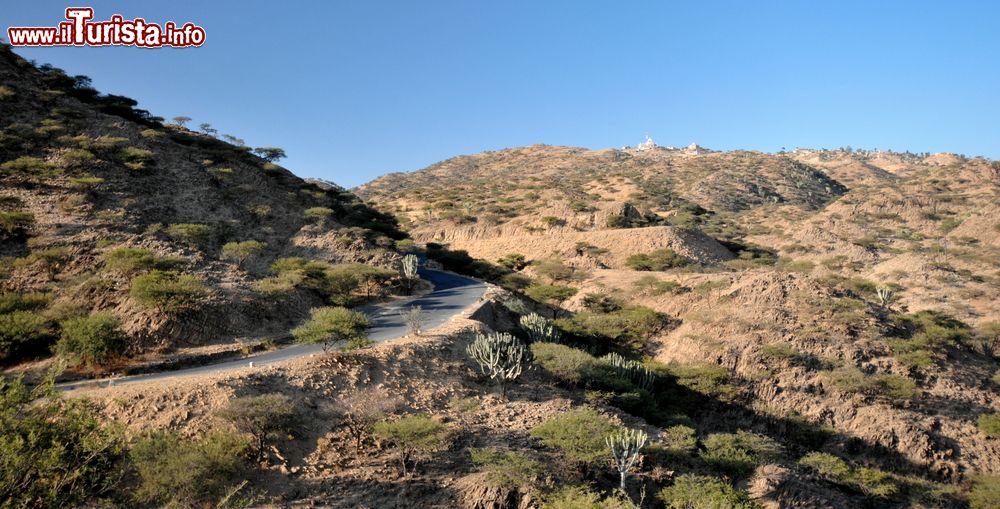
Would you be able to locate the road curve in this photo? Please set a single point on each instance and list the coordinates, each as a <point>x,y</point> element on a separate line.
<point>452,293</point>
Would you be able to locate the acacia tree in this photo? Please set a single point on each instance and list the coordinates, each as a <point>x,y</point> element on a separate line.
<point>181,120</point>
<point>269,154</point>
<point>264,417</point>
<point>240,252</point>
<point>359,411</point>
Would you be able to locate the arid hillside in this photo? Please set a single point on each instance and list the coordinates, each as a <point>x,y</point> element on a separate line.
<point>106,210</point>
<point>857,291</point>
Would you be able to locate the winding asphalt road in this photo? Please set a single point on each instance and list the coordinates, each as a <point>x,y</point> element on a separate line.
<point>452,293</point>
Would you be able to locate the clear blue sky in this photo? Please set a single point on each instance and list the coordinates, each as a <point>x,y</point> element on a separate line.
<point>352,90</point>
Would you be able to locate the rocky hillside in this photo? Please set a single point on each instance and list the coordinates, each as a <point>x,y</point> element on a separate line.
<point>856,291</point>
<point>104,208</point>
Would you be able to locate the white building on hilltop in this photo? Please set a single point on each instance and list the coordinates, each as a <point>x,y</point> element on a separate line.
<point>646,145</point>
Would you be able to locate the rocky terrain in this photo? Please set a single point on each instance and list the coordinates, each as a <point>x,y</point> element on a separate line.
<point>95,193</point>
<point>855,290</point>
<point>815,328</point>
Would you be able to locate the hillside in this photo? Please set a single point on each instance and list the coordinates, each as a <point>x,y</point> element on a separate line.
<point>856,291</point>
<point>96,195</point>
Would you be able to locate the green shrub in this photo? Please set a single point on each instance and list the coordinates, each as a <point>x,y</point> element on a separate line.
<point>630,325</point>
<point>335,283</point>
<point>989,425</point>
<point>917,359</point>
<point>555,270</point>
<point>94,340</point>
<point>10,302</point>
<point>780,351</point>
<point>850,380</point>
<point>318,212</point>
<point>583,497</point>
<point>192,234</point>
<point>788,265</point>
<point>869,481</point>
<point>56,452</point>
<point>738,454</point>
<point>566,363</point>
<point>659,260</point>
<point>22,330</point>
<point>78,158</point>
<point>136,155</point>
<point>691,491</point>
<point>513,261</point>
<point>333,324</point>
<point>16,222</point>
<point>240,252</point>
<point>265,417</point>
<point>167,291</point>
<point>29,166</point>
<point>51,259</point>
<point>131,259</point>
<point>925,332</point>
<point>709,380</point>
<point>550,293</point>
<point>176,472</point>
<point>579,434</point>
<point>413,435</point>
<point>507,469</point>
<point>985,492</point>
<point>651,285</point>
<point>679,440</point>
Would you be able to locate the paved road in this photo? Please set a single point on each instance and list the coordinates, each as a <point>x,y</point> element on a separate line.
<point>452,293</point>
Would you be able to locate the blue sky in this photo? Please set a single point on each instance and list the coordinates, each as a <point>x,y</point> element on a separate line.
<point>352,90</point>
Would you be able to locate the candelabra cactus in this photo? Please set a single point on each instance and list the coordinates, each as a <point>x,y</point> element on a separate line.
<point>625,446</point>
<point>410,265</point>
<point>539,328</point>
<point>500,356</point>
<point>631,370</point>
<point>885,296</point>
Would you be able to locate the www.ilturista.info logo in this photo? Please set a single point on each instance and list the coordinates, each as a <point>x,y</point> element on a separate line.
<point>79,30</point>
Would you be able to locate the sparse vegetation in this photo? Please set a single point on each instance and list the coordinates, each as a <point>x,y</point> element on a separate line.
<point>170,292</point>
<point>194,235</point>
<point>176,472</point>
<point>266,417</point>
<point>691,491</point>
<point>413,435</point>
<point>737,454</point>
<point>56,452</point>
<point>330,325</point>
<point>240,252</point>
<point>508,469</point>
<point>578,434</point>
<point>94,340</point>
<point>659,260</point>
<point>989,425</point>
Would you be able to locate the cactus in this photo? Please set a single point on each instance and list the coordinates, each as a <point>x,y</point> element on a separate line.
<point>885,296</point>
<point>631,370</point>
<point>500,356</point>
<point>625,446</point>
<point>410,265</point>
<point>539,328</point>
